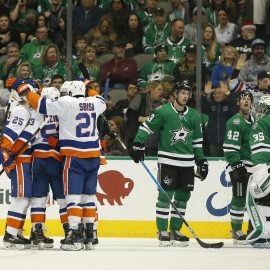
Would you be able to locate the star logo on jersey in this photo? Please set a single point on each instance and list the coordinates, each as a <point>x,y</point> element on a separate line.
<point>180,135</point>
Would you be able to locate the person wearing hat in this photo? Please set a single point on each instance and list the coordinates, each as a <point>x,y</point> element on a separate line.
<point>243,43</point>
<point>157,32</point>
<point>176,42</point>
<point>158,68</point>
<point>258,62</point>
<point>121,70</point>
<point>190,29</point>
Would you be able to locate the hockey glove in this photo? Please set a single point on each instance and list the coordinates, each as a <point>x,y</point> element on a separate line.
<point>10,160</point>
<point>239,172</point>
<point>53,142</point>
<point>10,82</point>
<point>202,169</point>
<point>23,89</point>
<point>35,84</point>
<point>4,155</point>
<point>137,152</point>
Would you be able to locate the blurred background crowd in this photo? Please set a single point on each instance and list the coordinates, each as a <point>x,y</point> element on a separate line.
<point>144,47</point>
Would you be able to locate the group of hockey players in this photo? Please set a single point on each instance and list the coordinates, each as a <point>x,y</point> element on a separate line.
<point>58,130</point>
<point>51,140</point>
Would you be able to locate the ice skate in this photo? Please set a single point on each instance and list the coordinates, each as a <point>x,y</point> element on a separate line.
<point>261,243</point>
<point>164,239</point>
<point>178,239</point>
<point>27,242</point>
<point>89,236</point>
<point>74,241</point>
<point>13,242</point>
<point>239,238</point>
<point>95,240</point>
<point>66,231</point>
<point>38,239</point>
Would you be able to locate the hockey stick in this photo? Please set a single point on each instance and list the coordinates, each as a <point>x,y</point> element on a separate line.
<point>6,114</point>
<point>201,243</point>
<point>20,151</point>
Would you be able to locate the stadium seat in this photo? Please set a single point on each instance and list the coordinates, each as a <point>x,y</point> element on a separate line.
<point>165,5</point>
<point>142,59</point>
<point>117,94</point>
<point>105,57</point>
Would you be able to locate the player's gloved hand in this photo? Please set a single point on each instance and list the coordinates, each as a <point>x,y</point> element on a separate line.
<point>239,171</point>
<point>11,159</point>
<point>34,83</point>
<point>17,83</point>
<point>202,168</point>
<point>137,152</point>
<point>4,155</point>
<point>53,142</point>
<point>9,82</point>
<point>23,89</point>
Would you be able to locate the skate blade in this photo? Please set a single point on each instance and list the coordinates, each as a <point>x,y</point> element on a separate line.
<point>240,242</point>
<point>89,246</point>
<point>27,246</point>
<point>260,245</point>
<point>74,247</point>
<point>164,244</point>
<point>179,243</point>
<point>13,246</point>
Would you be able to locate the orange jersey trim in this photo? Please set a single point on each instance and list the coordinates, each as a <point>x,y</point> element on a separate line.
<point>48,154</point>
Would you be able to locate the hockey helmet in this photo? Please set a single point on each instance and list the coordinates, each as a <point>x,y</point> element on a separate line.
<point>184,85</point>
<point>245,93</point>
<point>73,88</point>
<point>263,107</point>
<point>50,92</point>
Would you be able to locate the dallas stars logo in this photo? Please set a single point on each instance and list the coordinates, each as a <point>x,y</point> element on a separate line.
<point>180,135</point>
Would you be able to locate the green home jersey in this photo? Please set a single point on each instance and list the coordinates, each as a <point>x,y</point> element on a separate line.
<point>236,141</point>
<point>260,141</point>
<point>179,135</point>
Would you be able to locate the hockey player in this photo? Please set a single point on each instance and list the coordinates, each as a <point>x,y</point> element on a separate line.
<point>258,193</point>
<point>80,148</point>
<point>19,129</point>
<point>179,148</point>
<point>46,155</point>
<point>238,155</point>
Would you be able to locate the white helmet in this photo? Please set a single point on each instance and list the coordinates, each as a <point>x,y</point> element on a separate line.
<point>50,92</point>
<point>263,107</point>
<point>73,88</point>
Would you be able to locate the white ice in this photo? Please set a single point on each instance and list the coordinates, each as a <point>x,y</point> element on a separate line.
<point>138,254</point>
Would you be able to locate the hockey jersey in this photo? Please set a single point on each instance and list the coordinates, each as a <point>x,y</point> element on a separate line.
<point>236,141</point>
<point>78,134</point>
<point>179,135</point>
<point>260,141</point>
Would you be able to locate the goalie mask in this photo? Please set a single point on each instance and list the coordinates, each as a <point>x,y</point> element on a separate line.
<point>263,107</point>
<point>50,92</point>
<point>73,89</point>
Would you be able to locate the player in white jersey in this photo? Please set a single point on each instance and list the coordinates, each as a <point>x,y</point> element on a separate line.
<point>20,127</point>
<point>80,148</point>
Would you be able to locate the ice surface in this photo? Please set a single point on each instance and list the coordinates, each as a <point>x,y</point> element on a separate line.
<point>138,254</point>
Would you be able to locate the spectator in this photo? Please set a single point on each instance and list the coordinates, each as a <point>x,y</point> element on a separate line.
<point>216,6</point>
<point>176,42</point>
<point>225,30</point>
<point>4,8</point>
<point>219,104</point>
<point>243,43</point>
<point>191,29</point>
<point>41,20</point>
<point>103,35</point>
<point>85,17</point>
<point>88,66</point>
<point>139,110</point>
<point>31,52</point>
<point>50,65</point>
<point>80,42</point>
<point>157,32</point>
<point>4,97</point>
<point>7,34</point>
<point>146,15</point>
<point>258,62</point>
<point>8,67</point>
<point>121,70</point>
<point>133,35</point>
<point>157,69</point>
<point>179,11</point>
<point>57,81</point>
<point>23,19</point>
<point>223,70</point>
<point>24,71</point>
<point>211,49</point>
<point>119,12</point>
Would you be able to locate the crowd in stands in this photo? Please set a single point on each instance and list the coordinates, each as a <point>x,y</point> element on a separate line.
<point>143,47</point>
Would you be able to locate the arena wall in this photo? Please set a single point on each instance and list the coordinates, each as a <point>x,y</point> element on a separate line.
<point>126,202</point>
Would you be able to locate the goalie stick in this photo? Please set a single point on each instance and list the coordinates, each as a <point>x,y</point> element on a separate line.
<point>29,140</point>
<point>200,242</point>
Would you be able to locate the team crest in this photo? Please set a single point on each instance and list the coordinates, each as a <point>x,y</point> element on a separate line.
<point>236,121</point>
<point>179,135</point>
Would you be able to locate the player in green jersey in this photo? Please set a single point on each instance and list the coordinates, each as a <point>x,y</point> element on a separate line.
<point>258,194</point>
<point>238,155</point>
<point>179,148</point>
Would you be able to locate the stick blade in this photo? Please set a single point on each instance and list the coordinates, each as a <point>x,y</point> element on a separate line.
<point>210,245</point>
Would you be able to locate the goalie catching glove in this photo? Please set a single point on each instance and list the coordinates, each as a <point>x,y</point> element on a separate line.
<point>137,152</point>
<point>202,168</point>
